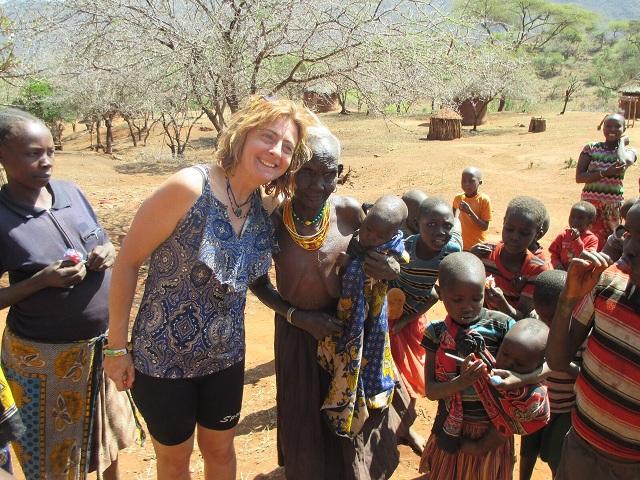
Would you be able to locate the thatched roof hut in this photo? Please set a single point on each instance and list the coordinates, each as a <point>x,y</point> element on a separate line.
<point>629,100</point>
<point>445,125</point>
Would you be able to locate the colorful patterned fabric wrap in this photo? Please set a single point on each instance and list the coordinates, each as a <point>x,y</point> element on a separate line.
<point>55,387</point>
<point>11,426</point>
<point>191,318</point>
<point>608,189</point>
<point>444,335</point>
<point>514,286</point>
<point>519,411</point>
<point>359,359</point>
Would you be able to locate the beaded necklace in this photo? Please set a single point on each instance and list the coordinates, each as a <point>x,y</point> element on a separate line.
<point>314,220</point>
<point>310,242</point>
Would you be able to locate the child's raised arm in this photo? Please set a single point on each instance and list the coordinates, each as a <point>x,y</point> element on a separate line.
<point>470,371</point>
<point>567,334</point>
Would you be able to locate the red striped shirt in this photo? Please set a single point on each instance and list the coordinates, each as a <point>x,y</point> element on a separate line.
<point>607,413</point>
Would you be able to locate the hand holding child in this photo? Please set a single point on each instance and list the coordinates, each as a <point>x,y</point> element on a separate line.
<point>318,324</point>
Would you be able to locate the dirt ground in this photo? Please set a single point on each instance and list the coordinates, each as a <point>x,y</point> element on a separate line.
<point>383,157</point>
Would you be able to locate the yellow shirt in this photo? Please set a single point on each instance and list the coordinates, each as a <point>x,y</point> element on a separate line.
<point>481,206</point>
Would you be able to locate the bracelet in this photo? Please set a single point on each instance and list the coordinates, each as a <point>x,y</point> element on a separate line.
<point>116,352</point>
<point>289,314</point>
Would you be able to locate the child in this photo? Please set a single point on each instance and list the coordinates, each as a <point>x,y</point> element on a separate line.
<point>408,355</point>
<point>576,238</point>
<point>475,208</point>
<point>460,415</point>
<point>613,247</point>
<point>601,303</point>
<point>523,410</point>
<point>510,262</point>
<point>547,442</point>
<point>61,327</point>
<point>537,249</point>
<point>412,199</point>
<point>601,167</point>
<point>439,236</point>
<point>358,359</point>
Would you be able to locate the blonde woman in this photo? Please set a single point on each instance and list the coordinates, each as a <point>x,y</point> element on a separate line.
<point>209,237</point>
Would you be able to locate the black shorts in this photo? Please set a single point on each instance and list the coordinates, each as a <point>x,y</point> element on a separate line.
<point>172,407</point>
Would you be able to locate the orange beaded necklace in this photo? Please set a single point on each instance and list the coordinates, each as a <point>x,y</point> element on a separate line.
<point>311,242</point>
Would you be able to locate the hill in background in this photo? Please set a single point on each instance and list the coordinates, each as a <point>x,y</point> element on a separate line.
<point>610,9</point>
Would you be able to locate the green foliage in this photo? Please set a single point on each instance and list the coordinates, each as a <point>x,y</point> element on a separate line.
<point>548,64</point>
<point>38,97</point>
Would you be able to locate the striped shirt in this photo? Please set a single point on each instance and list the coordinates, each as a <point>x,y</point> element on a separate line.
<point>607,413</point>
<point>561,387</point>
<point>418,276</point>
<point>515,285</point>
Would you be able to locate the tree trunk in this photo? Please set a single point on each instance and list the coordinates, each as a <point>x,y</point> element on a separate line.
<point>98,140</point>
<point>502,104</point>
<point>566,100</point>
<point>215,117</point>
<point>133,135</point>
<point>342,100</point>
<point>108,149</point>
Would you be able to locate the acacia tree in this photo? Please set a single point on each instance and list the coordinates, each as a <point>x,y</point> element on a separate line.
<point>529,26</point>
<point>225,50</point>
<point>490,72</point>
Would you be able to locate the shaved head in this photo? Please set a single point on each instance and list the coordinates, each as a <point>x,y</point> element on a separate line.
<point>460,267</point>
<point>412,199</point>
<point>523,347</point>
<point>390,209</point>
<point>473,171</point>
<point>323,143</point>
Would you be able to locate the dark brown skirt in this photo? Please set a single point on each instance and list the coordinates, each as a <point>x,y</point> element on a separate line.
<point>307,448</point>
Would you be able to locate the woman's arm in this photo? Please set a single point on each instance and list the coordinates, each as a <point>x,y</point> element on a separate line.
<point>470,371</point>
<point>59,274</point>
<point>153,223</point>
<point>318,324</point>
<point>582,173</point>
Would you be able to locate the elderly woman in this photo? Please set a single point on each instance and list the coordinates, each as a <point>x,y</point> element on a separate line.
<point>313,229</point>
<point>209,237</point>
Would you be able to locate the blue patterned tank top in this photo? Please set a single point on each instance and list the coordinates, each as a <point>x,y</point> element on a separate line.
<point>191,318</point>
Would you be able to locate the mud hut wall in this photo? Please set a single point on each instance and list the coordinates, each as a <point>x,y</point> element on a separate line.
<point>625,105</point>
<point>320,102</point>
<point>466,110</point>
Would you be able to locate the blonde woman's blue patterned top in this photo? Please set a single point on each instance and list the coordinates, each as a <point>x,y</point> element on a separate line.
<point>191,318</point>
